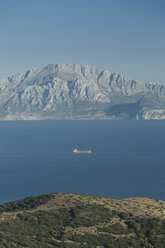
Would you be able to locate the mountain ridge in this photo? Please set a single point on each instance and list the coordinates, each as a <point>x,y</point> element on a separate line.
<point>82,221</point>
<point>72,91</point>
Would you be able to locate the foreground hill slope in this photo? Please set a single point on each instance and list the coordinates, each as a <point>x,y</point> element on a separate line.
<point>71,91</point>
<point>75,221</point>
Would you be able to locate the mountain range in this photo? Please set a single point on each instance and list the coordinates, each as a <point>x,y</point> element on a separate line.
<point>72,91</point>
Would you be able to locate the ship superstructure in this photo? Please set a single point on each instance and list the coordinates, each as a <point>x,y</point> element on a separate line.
<point>77,151</point>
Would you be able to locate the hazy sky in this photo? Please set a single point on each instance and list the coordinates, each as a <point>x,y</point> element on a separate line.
<point>126,36</point>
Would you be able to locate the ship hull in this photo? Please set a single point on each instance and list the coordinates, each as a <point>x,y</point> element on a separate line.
<point>88,152</point>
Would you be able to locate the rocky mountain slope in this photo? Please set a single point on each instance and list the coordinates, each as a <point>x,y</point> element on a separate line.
<point>79,221</point>
<point>71,91</point>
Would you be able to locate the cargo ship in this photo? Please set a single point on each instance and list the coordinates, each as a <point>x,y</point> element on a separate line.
<point>77,151</point>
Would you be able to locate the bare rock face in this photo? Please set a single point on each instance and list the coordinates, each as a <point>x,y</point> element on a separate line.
<point>71,91</point>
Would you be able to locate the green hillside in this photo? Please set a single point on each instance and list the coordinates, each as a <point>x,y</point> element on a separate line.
<point>75,221</point>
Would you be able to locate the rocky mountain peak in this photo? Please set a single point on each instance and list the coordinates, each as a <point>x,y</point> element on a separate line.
<point>72,91</point>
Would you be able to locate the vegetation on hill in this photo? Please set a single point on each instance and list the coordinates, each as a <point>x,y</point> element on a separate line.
<point>73,221</point>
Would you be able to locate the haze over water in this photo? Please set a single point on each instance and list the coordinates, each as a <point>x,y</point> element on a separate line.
<point>128,158</point>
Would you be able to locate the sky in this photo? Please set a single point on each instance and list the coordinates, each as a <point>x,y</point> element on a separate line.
<point>126,36</point>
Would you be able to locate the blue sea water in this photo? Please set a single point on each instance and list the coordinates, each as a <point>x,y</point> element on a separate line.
<point>128,158</point>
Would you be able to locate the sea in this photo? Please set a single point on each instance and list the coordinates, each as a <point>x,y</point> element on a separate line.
<point>127,160</point>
